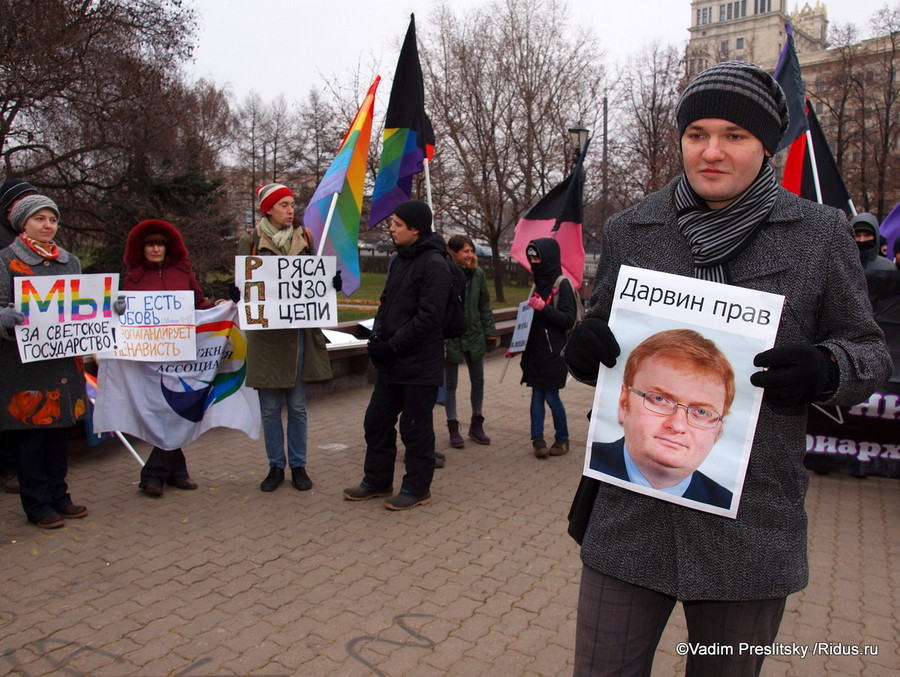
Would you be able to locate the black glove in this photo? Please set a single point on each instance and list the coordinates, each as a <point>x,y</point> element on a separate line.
<point>380,350</point>
<point>234,293</point>
<point>120,305</point>
<point>337,282</point>
<point>591,343</point>
<point>795,374</point>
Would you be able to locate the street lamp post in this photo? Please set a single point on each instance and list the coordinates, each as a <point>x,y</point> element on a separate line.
<point>579,138</point>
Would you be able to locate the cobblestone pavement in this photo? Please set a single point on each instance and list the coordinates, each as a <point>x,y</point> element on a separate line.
<point>483,581</point>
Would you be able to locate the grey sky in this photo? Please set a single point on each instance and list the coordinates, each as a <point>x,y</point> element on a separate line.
<point>288,46</point>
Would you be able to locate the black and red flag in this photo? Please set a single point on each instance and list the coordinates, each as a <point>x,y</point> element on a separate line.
<point>811,172</point>
<point>559,214</point>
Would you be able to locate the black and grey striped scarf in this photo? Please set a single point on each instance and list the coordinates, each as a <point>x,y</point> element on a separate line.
<point>717,236</point>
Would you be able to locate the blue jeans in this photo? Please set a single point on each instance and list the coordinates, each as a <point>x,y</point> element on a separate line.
<point>557,410</point>
<point>270,403</point>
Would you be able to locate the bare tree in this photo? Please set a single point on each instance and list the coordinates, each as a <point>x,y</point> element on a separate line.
<point>647,157</point>
<point>503,84</point>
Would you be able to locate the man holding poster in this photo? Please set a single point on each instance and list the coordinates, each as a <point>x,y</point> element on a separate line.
<point>724,220</point>
<point>39,400</point>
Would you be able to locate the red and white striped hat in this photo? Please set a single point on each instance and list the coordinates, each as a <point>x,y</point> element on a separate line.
<point>271,193</point>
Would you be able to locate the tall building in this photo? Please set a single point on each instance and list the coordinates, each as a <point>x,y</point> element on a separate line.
<point>751,30</point>
<point>852,87</point>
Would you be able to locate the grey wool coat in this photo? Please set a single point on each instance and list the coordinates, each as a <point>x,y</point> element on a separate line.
<point>44,394</point>
<point>806,252</point>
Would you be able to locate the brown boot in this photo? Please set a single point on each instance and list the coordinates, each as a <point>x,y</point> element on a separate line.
<point>456,440</point>
<point>476,431</point>
<point>540,447</point>
<point>559,447</point>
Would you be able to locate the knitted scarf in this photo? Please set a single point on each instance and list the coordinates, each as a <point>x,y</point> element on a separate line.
<point>281,238</point>
<point>717,236</point>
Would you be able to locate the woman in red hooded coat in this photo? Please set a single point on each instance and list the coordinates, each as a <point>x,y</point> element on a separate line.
<point>157,260</point>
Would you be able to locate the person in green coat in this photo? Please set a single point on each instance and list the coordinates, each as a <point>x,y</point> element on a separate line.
<point>471,346</point>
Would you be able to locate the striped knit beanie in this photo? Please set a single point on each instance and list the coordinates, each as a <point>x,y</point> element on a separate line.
<point>271,193</point>
<point>740,92</point>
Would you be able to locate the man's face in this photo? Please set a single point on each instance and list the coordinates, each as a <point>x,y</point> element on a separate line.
<point>863,236</point>
<point>281,214</point>
<point>667,449</point>
<point>401,233</point>
<point>721,160</point>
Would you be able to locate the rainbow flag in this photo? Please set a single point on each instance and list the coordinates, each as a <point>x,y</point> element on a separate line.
<point>408,136</point>
<point>345,178</point>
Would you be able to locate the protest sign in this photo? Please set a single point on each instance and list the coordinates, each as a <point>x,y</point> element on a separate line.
<point>286,292</point>
<point>682,427</point>
<point>523,326</point>
<point>169,404</point>
<point>65,316</point>
<point>156,325</point>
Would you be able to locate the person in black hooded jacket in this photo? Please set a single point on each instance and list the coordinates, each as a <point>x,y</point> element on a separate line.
<point>407,349</point>
<point>543,367</point>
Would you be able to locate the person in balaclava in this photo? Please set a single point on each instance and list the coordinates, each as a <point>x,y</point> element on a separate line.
<point>543,368</point>
<point>865,232</point>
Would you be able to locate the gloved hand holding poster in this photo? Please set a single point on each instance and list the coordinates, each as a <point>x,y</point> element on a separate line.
<point>675,418</point>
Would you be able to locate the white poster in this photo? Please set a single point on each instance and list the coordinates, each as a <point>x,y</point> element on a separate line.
<point>523,326</point>
<point>65,316</point>
<point>156,326</point>
<point>286,292</point>
<point>675,418</point>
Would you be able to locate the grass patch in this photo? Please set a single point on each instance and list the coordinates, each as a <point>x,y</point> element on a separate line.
<point>372,284</point>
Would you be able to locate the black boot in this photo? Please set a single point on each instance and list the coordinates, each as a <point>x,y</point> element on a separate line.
<point>476,431</point>
<point>456,440</point>
<point>273,479</point>
<point>300,479</point>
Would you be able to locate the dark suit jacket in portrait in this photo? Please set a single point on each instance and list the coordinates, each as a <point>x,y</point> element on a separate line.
<point>609,458</point>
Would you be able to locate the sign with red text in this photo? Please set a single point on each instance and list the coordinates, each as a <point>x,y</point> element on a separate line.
<point>157,326</point>
<point>286,292</point>
<point>65,316</point>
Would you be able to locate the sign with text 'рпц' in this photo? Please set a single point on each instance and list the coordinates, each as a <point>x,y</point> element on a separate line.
<point>286,292</point>
<point>65,316</point>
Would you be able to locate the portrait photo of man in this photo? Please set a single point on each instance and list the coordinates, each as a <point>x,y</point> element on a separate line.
<point>677,390</point>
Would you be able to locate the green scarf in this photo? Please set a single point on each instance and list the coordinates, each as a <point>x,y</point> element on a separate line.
<point>281,238</point>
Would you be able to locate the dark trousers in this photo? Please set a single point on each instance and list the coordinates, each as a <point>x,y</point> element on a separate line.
<point>7,462</point>
<point>41,465</point>
<point>619,626</point>
<point>414,405</point>
<point>164,465</point>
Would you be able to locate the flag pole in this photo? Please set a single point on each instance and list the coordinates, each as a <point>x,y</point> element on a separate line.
<point>814,165</point>
<point>425,164</point>
<point>334,199</point>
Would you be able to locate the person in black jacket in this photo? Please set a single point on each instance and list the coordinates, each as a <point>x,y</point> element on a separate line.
<point>543,367</point>
<point>407,350</point>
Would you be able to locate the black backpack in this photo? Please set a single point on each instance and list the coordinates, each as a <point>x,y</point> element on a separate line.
<point>455,312</point>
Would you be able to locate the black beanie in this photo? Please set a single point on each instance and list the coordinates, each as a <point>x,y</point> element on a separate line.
<point>740,92</point>
<point>415,214</point>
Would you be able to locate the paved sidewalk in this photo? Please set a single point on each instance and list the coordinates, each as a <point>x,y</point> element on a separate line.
<point>227,580</point>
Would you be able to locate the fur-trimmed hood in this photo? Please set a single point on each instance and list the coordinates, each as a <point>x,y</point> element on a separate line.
<point>176,251</point>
